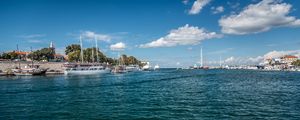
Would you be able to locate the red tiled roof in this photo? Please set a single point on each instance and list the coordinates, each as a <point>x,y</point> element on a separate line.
<point>290,56</point>
<point>22,53</point>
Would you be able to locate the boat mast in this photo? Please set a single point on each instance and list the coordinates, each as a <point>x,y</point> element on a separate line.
<point>81,50</point>
<point>31,56</point>
<point>97,57</point>
<point>93,54</point>
<point>19,56</point>
<point>220,61</point>
<point>201,59</point>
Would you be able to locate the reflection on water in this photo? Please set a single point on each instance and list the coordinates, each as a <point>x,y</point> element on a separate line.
<point>163,94</point>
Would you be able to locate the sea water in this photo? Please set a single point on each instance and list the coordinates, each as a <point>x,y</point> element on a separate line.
<point>161,94</point>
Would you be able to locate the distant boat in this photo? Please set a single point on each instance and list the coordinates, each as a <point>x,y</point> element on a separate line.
<point>156,67</point>
<point>29,70</point>
<point>146,67</point>
<point>86,68</point>
<point>119,69</point>
<point>133,68</point>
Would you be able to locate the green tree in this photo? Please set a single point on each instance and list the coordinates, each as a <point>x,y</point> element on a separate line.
<point>74,56</point>
<point>42,54</point>
<point>131,60</point>
<point>296,63</point>
<point>87,55</point>
<point>72,48</point>
<point>9,55</point>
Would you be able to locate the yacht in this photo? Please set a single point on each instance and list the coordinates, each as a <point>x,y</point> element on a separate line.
<point>86,68</point>
<point>133,68</point>
<point>146,67</point>
<point>156,67</point>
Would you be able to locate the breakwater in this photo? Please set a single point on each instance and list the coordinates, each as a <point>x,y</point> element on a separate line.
<point>56,66</point>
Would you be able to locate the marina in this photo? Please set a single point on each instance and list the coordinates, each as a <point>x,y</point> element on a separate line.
<point>149,60</point>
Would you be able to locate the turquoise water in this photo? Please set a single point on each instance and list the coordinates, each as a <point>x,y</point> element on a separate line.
<point>163,94</point>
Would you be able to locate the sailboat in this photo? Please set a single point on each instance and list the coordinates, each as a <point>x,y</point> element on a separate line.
<point>86,68</point>
<point>120,68</point>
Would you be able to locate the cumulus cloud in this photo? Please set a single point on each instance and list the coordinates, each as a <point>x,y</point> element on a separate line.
<point>197,6</point>
<point>118,46</point>
<point>91,35</point>
<point>278,54</point>
<point>259,17</point>
<point>217,10</point>
<point>186,35</point>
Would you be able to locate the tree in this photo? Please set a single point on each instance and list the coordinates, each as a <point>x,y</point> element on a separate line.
<point>296,63</point>
<point>72,48</point>
<point>74,56</point>
<point>128,60</point>
<point>42,54</point>
<point>10,55</point>
<point>87,55</point>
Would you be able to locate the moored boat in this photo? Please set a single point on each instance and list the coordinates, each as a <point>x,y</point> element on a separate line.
<point>29,70</point>
<point>85,69</point>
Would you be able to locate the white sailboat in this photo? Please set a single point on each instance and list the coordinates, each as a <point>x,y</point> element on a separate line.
<point>156,67</point>
<point>120,68</point>
<point>86,68</point>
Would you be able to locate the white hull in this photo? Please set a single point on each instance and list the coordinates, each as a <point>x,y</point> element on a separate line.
<point>86,72</point>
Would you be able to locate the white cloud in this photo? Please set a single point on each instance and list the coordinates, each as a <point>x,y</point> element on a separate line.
<point>91,35</point>
<point>278,54</point>
<point>118,46</point>
<point>259,59</point>
<point>185,2</point>
<point>34,41</point>
<point>32,36</point>
<point>259,17</point>
<point>243,61</point>
<point>186,35</point>
<point>217,10</point>
<point>197,6</point>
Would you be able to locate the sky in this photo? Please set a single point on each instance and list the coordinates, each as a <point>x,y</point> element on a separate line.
<point>165,32</point>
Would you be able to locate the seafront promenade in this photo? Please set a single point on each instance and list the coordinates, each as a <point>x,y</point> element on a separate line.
<point>56,66</point>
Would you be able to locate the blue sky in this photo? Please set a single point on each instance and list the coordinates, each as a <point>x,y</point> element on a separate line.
<point>166,32</point>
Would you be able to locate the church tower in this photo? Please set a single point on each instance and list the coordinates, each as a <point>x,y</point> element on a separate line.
<point>52,47</point>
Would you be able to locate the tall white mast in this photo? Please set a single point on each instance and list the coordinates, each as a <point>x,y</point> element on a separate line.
<point>93,54</point>
<point>97,57</point>
<point>201,60</point>
<point>220,61</point>
<point>81,49</point>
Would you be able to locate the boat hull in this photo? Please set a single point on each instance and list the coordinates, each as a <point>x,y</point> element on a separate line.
<point>42,72</point>
<point>86,72</point>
